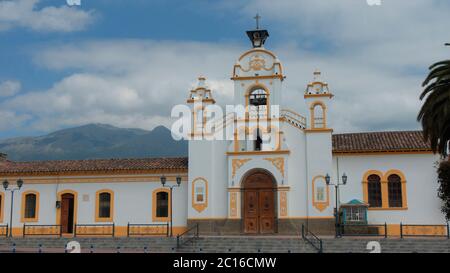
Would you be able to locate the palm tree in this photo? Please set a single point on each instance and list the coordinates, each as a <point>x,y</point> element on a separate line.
<point>435,112</point>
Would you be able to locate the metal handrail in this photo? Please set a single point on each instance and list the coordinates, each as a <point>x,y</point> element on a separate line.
<point>112,226</point>
<point>139,227</point>
<point>315,241</point>
<point>194,237</point>
<point>51,229</point>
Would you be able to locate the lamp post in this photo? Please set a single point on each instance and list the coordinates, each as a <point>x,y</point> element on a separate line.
<point>19,184</point>
<point>336,190</point>
<point>163,182</point>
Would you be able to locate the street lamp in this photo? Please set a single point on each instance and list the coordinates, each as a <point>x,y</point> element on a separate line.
<point>163,182</point>
<point>336,190</point>
<point>19,184</point>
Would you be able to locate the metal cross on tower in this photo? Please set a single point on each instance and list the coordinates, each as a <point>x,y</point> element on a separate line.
<point>257,17</point>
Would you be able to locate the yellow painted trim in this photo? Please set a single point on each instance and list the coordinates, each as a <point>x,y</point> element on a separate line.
<point>199,207</point>
<point>278,163</point>
<point>312,114</point>
<point>402,208</point>
<point>385,189</point>
<point>283,204</point>
<point>378,152</point>
<point>2,206</point>
<point>329,95</point>
<point>154,199</point>
<point>279,76</point>
<point>36,215</point>
<point>234,204</point>
<point>97,206</point>
<point>252,88</point>
<point>310,217</point>
<point>319,130</point>
<point>320,205</point>
<point>365,185</point>
<point>55,179</point>
<point>260,152</point>
<point>206,218</point>
<point>75,206</point>
<point>403,182</point>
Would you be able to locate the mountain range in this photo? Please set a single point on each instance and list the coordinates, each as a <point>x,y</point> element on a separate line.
<point>95,141</point>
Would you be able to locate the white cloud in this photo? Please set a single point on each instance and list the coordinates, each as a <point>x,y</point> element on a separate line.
<point>23,13</point>
<point>131,83</point>
<point>9,88</point>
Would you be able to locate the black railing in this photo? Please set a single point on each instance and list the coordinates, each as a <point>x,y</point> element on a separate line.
<point>424,230</point>
<point>363,230</point>
<point>189,235</point>
<point>148,229</point>
<point>94,230</point>
<point>42,230</point>
<point>312,239</point>
<point>4,230</point>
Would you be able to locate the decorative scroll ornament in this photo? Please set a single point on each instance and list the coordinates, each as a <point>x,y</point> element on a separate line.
<point>257,63</point>
<point>237,163</point>
<point>278,162</point>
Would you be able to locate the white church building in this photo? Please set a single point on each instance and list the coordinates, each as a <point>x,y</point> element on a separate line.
<point>269,183</point>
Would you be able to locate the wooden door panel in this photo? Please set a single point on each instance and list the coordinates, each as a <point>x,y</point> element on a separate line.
<point>259,204</point>
<point>251,212</point>
<point>266,212</point>
<point>67,203</point>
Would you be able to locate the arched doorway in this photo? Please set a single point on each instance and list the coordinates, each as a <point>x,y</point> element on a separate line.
<point>259,203</point>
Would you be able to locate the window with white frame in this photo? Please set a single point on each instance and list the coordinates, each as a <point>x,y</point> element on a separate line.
<point>355,214</point>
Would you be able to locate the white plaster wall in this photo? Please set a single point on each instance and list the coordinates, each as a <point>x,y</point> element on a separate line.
<point>319,162</point>
<point>132,202</point>
<point>420,172</point>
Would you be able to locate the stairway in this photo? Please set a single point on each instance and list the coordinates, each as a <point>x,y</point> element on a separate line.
<point>227,244</point>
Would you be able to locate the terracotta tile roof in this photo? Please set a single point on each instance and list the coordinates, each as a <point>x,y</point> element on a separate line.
<point>397,141</point>
<point>95,165</point>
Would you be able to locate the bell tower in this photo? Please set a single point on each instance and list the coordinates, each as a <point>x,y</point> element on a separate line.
<point>317,97</point>
<point>258,77</point>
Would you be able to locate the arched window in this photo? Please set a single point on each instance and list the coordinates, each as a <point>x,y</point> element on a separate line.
<point>161,205</point>
<point>374,191</point>
<point>30,206</point>
<point>104,206</point>
<point>258,97</point>
<point>257,101</point>
<point>395,191</point>
<point>318,116</point>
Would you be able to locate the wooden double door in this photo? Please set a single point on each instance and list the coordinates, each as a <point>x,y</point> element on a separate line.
<point>259,204</point>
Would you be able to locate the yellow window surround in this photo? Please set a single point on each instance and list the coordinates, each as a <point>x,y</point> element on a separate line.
<point>385,189</point>
<point>154,205</point>
<point>36,213</point>
<point>97,206</point>
<point>75,206</point>
<point>320,205</point>
<point>200,206</point>
<point>2,206</point>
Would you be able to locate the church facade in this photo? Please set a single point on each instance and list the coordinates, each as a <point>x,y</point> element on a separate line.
<point>276,172</point>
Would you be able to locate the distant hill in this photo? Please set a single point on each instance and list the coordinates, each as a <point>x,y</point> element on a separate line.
<point>95,141</point>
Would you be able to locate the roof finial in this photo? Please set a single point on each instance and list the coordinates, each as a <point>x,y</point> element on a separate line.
<point>257,17</point>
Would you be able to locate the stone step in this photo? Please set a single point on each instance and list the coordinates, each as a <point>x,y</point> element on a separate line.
<point>229,244</point>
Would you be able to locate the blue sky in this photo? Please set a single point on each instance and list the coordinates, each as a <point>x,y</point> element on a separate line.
<point>127,62</point>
